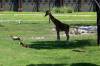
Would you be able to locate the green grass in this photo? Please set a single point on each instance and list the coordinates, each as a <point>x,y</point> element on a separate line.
<point>47,51</point>
<point>13,16</point>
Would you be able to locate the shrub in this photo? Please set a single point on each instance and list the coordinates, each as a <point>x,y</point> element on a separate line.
<point>62,9</point>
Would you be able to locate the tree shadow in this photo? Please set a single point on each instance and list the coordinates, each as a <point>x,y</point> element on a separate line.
<point>83,64</point>
<point>46,65</point>
<point>61,44</point>
<point>1,25</point>
<point>27,23</point>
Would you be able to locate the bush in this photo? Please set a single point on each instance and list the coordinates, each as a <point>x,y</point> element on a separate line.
<point>63,10</point>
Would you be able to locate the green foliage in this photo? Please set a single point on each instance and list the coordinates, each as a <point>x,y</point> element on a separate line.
<point>62,9</point>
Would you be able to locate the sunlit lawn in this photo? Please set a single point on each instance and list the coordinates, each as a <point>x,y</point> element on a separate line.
<point>79,50</point>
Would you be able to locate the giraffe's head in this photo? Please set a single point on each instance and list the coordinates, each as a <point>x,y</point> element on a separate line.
<point>47,12</point>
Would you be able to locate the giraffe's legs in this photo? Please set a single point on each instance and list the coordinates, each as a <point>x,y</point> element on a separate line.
<point>67,35</point>
<point>58,35</point>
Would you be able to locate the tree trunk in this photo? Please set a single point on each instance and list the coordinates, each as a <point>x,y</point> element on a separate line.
<point>98,22</point>
<point>1,5</point>
<point>61,2</point>
<point>20,2</point>
<point>94,5</point>
<point>37,5</point>
<point>79,5</point>
<point>57,3</point>
<point>15,5</point>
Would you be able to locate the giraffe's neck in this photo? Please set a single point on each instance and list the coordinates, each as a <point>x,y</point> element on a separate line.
<point>53,19</point>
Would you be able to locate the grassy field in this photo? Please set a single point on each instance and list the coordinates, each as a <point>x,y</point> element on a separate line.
<point>88,18</point>
<point>80,50</point>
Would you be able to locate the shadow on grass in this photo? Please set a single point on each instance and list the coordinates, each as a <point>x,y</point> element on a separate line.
<point>83,64</point>
<point>61,44</point>
<point>46,65</point>
<point>28,23</point>
<point>1,25</point>
<point>74,64</point>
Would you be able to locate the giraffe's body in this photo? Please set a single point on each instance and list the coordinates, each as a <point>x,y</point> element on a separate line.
<point>59,26</point>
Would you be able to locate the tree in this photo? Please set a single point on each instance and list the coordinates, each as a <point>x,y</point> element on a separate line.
<point>78,5</point>
<point>59,3</point>
<point>20,5</point>
<point>37,5</point>
<point>17,5</point>
<point>1,5</point>
<point>98,20</point>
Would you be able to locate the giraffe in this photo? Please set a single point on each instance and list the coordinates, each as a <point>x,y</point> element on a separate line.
<point>59,26</point>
